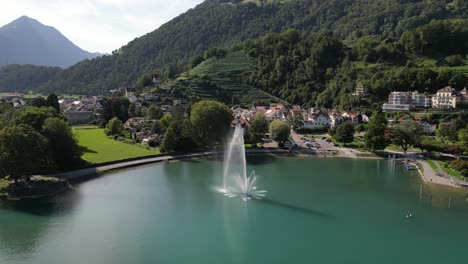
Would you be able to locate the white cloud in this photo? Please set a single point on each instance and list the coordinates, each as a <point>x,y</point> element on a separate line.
<point>97,25</point>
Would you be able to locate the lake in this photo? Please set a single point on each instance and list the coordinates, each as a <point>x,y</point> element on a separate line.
<point>317,210</point>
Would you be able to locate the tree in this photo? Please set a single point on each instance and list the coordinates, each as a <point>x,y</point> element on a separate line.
<point>114,127</point>
<point>406,134</point>
<point>258,128</point>
<point>214,52</point>
<point>115,107</point>
<point>455,126</point>
<point>344,133</point>
<point>211,122</point>
<point>154,112</point>
<point>279,131</point>
<point>427,144</point>
<point>63,148</point>
<point>375,135</point>
<point>296,123</point>
<point>52,101</point>
<point>169,142</point>
<point>455,150</point>
<point>364,49</point>
<point>132,110</point>
<point>22,151</point>
<point>165,122</point>
<point>195,61</point>
<point>39,102</point>
<point>34,116</point>
<point>156,127</point>
<point>144,80</point>
<point>463,138</point>
<point>179,137</point>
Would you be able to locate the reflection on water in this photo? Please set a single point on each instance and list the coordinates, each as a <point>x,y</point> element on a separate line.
<point>23,224</point>
<point>54,206</point>
<point>292,207</point>
<point>261,159</point>
<point>166,214</point>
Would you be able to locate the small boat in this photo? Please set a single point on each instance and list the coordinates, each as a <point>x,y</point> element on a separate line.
<point>409,215</point>
<point>411,167</point>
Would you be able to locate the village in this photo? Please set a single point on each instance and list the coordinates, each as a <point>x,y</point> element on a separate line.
<point>88,110</point>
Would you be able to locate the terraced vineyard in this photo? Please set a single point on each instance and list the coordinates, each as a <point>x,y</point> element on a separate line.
<point>223,78</point>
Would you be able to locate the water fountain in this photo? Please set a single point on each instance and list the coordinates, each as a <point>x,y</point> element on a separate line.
<point>235,181</point>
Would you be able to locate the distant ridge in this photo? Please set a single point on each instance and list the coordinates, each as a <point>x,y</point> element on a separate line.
<point>27,41</point>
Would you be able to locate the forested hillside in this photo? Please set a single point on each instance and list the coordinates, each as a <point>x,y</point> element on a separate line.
<point>318,69</point>
<point>23,78</point>
<point>221,23</point>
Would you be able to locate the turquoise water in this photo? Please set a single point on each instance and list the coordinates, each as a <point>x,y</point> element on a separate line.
<point>316,211</point>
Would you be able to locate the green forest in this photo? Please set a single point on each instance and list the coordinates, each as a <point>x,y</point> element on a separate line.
<point>319,69</point>
<point>305,52</point>
<point>216,23</point>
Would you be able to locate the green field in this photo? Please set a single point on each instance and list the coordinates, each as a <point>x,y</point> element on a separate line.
<point>100,149</point>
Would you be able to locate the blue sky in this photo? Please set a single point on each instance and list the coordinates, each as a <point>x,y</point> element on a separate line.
<point>97,25</point>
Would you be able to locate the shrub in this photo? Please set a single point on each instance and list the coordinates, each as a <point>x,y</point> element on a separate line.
<point>455,60</point>
<point>459,165</point>
<point>114,127</point>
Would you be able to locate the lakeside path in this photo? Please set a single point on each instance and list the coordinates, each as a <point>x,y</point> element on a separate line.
<point>87,173</point>
<point>430,176</point>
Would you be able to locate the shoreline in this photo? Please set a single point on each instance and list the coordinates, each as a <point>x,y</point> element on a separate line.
<point>90,173</point>
<point>429,176</point>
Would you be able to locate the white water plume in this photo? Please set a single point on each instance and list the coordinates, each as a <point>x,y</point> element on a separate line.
<point>235,181</point>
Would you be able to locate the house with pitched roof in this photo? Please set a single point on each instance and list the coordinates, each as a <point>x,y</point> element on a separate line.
<point>448,98</point>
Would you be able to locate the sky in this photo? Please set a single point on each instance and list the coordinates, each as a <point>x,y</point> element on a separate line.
<point>97,25</point>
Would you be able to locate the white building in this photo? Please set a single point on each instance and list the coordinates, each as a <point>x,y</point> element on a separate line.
<point>273,114</point>
<point>405,101</point>
<point>351,117</point>
<point>426,127</point>
<point>335,118</point>
<point>448,98</point>
<point>319,120</point>
<point>359,90</point>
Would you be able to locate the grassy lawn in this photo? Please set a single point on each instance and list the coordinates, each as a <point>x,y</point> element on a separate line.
<point>355,144</point>
<point>446,168</point>
<point>312,136</point>
<point>432,164</point>
<point>100,149</point>
<point>394,147</point>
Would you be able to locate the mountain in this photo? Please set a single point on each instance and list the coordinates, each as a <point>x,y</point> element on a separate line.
<point>223,23</point>
<point>27,41</point>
